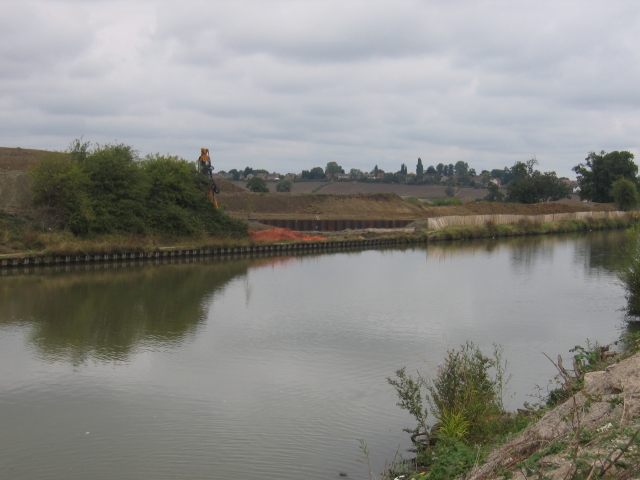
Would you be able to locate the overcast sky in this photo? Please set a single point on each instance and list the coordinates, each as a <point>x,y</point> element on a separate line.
<point>289,85</point>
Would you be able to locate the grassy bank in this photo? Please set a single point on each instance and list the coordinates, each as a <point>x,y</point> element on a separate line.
<point>19,236</point>
<point>491,230</point>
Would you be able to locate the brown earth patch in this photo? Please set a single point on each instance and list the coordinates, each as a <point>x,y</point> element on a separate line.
<point>380,206</point>
<point>20,158</point>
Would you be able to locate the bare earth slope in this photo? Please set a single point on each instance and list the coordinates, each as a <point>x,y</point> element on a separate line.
<point>381,206</point>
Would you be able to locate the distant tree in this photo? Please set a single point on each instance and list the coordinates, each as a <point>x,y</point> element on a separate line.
<point>332,168</point>
<point>389,178</point>
<point>355,173</point>
<point>449,191</point>
<point>494,195</point>
<point>505,175</point>
<point>284,186</point>
<point>625,194</point>
<point>461,168</point>
<point>451,169</point>
<point>419,169</point>
<point>316,173</point>
<point>257,185</point>
<point>431,170</point>
<point>600,171</point>
<point>375,170</point>
<point>235,173</point>
<point>403,170</point>
<point>247,171</point>
<point>532,186</point>
<point>440,169</point>
<point>472,172</point>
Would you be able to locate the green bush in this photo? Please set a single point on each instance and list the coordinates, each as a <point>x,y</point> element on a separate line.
<point>449,191</point>
<point>494,195</point>
<point>625,194</point>
<point>284,186</point>
<point>465,397</point>
<point>443,202</point>
<point>108,189</point>
<point>257,185</point>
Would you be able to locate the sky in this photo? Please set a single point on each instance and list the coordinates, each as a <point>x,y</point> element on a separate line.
<point>289,85</point>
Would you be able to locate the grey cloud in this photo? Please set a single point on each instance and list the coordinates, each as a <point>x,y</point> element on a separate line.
<point>288,85</point>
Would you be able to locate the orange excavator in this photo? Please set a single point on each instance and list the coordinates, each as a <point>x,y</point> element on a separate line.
<point>205,168</point>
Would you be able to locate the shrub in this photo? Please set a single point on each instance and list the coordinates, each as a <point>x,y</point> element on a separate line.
<point>284,186</point>
<point>442,202</point>
<point>625,194</point>
<point>449,191</point>
<point>412,200</point>
<point>108,189</point>
<point>465,396</point>
<point>257,185</point>
<point>494,195</point>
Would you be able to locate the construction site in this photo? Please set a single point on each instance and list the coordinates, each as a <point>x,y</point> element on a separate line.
<point>326,212</point>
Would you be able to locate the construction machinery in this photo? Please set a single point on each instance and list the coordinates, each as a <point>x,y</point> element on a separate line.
<point>205,168</point>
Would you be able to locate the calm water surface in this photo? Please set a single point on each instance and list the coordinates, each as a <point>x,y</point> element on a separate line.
<point>273,367</point>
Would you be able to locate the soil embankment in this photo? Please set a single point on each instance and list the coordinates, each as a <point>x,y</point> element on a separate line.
<point>14,184</point>
<point>378,206</point>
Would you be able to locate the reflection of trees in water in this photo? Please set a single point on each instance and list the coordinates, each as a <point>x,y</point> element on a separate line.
<point>524,251</point>
<point>598,252</point>
<point>595,250</point>
<point>106,314</point>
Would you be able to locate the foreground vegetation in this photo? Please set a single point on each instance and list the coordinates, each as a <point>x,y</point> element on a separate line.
<point>584,427</point>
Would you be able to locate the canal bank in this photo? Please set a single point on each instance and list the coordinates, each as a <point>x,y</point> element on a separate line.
<point>418,233</point>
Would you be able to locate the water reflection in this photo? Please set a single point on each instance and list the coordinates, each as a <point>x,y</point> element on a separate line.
<point>592,251</point>
<point>108,314</point>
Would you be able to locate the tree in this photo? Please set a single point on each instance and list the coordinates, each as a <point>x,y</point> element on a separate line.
<point>461,168</point>
<point>247,171</point>
<point>431,170</point>
<point>284,186</point>
<point>235,173</point>
<point>316,173</point>
<point>600,171</point>
<point>257,185</point>
<point>494,195</point>
<point>440,169</point>
<point>449,191</point>
<point>625,194</point>
<point>332,168</point>
<point>355,173</point>
<point>403,170</point>
<point>419,169</point>
<point>532,186</point>
<point>375,170</point>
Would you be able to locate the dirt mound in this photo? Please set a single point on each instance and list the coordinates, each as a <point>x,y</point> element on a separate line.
<point>378,206</point>
<point>20,158</point>
<point>283,234</point>
<point>228,187</point>
<point>272,205</point>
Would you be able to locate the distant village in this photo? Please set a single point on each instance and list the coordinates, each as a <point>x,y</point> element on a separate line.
<point>459,174</point>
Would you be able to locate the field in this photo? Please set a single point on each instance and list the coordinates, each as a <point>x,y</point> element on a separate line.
<point>423,192</point>
<point>379,206</point>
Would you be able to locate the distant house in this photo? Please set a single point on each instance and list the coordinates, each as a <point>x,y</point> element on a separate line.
<point>341,176</point>
<point>444,179</point>
<point>496,181</point>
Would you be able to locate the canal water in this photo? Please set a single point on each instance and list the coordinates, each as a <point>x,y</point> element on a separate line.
<point>274,367</point>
